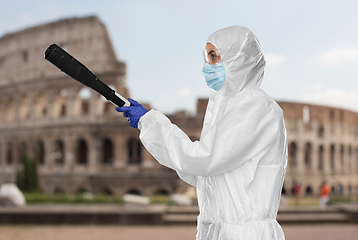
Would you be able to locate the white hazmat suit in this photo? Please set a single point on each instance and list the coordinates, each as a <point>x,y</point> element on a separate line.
<point>239,163</point>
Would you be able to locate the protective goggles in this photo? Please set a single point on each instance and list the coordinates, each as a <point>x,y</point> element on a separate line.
<point>211,56</point>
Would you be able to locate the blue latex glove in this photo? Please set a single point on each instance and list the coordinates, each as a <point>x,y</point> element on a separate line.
<point>132,113</point>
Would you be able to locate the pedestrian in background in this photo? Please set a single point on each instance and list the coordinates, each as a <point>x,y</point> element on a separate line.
<point>324,197</point>
<point>296,192</point>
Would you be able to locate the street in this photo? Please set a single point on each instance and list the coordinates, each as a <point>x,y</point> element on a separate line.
<point>95,232</point>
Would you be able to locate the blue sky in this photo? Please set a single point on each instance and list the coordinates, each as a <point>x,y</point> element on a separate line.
<point>311,47</point>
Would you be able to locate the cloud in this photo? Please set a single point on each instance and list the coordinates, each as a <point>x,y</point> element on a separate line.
<point>273,60</point>
<point>184,92</point>
<point>337,56</point>
<point>335,97</point>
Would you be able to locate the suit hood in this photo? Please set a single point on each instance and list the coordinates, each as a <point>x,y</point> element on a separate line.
<point>242,56</point>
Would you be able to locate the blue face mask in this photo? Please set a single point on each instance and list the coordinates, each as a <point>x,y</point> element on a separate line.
<point>214,75</point>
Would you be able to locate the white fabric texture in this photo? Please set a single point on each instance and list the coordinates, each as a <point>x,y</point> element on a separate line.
<point>239,163</point>
<point>11,194</point>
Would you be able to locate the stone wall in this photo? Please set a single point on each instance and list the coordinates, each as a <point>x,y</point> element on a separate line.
<point>78,139</point>
<point>322,146</point>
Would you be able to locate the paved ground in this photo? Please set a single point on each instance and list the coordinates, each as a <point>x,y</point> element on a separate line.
<point>292,232</point>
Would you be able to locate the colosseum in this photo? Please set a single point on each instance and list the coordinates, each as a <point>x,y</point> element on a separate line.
<point>80,143</point>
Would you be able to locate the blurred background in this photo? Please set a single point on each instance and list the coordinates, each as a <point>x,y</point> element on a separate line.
<point>66,148</point>
<point>311,47</point>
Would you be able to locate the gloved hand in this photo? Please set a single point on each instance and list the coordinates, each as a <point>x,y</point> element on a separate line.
<point>132,113</point>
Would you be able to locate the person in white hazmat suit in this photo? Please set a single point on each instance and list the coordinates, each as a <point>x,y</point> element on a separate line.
<point>239,163</point>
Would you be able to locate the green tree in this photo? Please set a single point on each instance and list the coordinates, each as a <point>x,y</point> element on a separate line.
<point>27,178</point>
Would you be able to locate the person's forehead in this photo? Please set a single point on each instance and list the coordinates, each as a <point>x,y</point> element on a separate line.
<point>210,46</point>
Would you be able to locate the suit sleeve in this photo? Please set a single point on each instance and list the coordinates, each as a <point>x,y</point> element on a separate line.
<point>245,132</point>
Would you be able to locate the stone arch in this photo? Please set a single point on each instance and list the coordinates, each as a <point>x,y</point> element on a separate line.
<point>292,149</point>
<point>100,104</point>
<point>321,158</point>
<point>333,190</point>
<point>108,107</point>
<point>25,56</point>
<point>350,157</point>
<point>350,190</point>
<point>357,159</point>
<point>81,151</point>
<point>342,156</point>
<point>40,152</point>
<point>9,155</point>
<point>161,191</point>
<point>10,113</point>
<point>24,111</point>
<point>321,131</point>
<point>134,151</point>
<point>59,152</point>
<point>22,151</point>
<point>1,110</point>
<point>59,190</point>
<point>81,190</point>
<point>83,101</point>
<point>338,189</point>
<point>41,105</point>
<point>107,191</point>
<point>331,114</point>
<point>107,151</point>
<point>308,154</point>
<point>61,103</point>
<point>308,191</point>
<point>134,191</point>
<point>332,158</point>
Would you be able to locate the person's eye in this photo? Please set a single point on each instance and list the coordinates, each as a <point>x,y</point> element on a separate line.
<point>213,56</point>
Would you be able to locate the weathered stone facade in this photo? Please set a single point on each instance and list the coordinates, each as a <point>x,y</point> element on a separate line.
<point>322,146</point>
<point>82,144</point>
<point>79,140</point>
